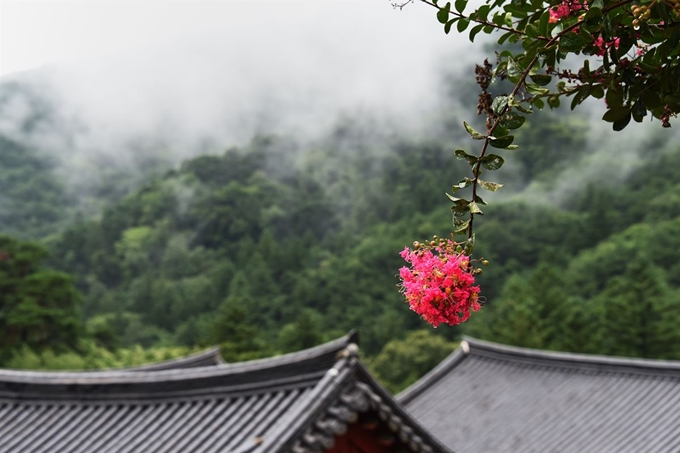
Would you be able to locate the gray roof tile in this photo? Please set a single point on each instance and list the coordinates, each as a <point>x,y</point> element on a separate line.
<point>492,398</point>
<point>295,402</point>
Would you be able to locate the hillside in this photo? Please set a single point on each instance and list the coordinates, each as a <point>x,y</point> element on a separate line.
<point>277,246</point>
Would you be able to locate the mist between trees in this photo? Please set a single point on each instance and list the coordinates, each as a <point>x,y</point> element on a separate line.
<point>284,242</point>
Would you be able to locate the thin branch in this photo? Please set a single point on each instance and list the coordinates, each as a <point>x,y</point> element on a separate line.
<point>483,22</point>
<point>515,90</point>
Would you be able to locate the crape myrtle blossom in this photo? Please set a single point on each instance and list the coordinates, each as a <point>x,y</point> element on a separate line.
<point>438,285</point>
<point>603,46</point>
<point>564,9</point>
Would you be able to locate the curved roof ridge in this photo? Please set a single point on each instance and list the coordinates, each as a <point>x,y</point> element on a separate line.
<point>434,375</point>
<point>538,357</point>
<point>570,359</point>
<point>310,360</point>
<point>398,415</point>
<point>207,357</point>
<point>348,385</point>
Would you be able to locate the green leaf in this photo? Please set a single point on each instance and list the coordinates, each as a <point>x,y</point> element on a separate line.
<point>621,124</point>
<point>554,102</point>
<point>443,13</point>
<point>488,185</point>
<point>540,79</point>
<point>469,245</point>
<point>460,206</point>
<point>512,147</point>
<point>460,5</point>
<point>514,70</point>
<point>499,104</point>
<point>473,133</point>
<point>492,162</point>
<point>614,96</point>
<point>615,114</point>
<point>474,31</point>
<point>523,109</point>
<point>462,155</point>
<point>474,208</point>
<point>462,25</point>
<point>479,200</point>
<point>651,99</point>
<point>512,121</point>
<point>597,91</point>
<point>452,198</point>
<point>535,89</point>
<point>462,226</point>
<point>500,131</point>
<point>483,12</point>
<point>639,111</point>
<point>448,25</point>
<point>538,103</point>
<point>543,22</point>
<point>532,31</point>
<point>501,142</point>
<point>580,95</point>
<point>594,13</point>
<point>462,184</point>
<point>571,42</point>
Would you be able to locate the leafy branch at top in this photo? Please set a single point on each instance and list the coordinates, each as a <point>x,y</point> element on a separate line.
<point>549,35</point>
<point>630,51</point>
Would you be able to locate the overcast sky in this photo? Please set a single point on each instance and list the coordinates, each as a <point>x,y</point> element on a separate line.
<point>229,68</point>
<point>35,33</point>
<point>190,77</point>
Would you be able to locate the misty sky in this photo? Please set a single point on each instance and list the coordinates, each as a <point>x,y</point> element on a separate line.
<point>192,72</point>
<point>35,33</point>
<point>188,77</point>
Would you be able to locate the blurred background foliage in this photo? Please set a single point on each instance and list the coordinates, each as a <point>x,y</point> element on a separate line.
<point>276,247</point>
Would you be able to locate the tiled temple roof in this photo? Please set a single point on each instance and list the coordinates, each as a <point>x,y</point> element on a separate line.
<point>487,397</point>
<point>293,403</point>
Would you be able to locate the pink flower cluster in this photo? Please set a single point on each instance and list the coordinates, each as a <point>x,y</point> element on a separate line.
<point>438,285</point>
<point>564,9</point>
<point>603,46</point>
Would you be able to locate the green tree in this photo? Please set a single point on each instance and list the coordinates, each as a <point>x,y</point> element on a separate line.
<point>304,333</point>
<point>38,307</point>
<point>402,362</point>
<point>536,311</point>
<point>235,332</point>
<point>640,314</point>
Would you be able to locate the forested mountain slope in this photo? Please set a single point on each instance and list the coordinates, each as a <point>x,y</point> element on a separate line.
<point>277,246</point>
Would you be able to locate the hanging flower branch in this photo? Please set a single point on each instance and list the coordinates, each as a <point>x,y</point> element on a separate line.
<point>635,70</point>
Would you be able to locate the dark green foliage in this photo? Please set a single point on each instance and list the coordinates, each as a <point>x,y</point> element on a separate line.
<point>640,313</point>
<point>261,256</point>
<point>304,333</point>
<point>38,307</point>
<point>33,202</point>
<point>402,362</point>
<point>236,333</point>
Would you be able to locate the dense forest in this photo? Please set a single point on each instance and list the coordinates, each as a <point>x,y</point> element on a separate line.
<point>277,246</point>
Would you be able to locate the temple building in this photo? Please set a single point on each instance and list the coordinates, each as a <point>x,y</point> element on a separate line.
<point>491,398</point>
<point>321,399</point>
